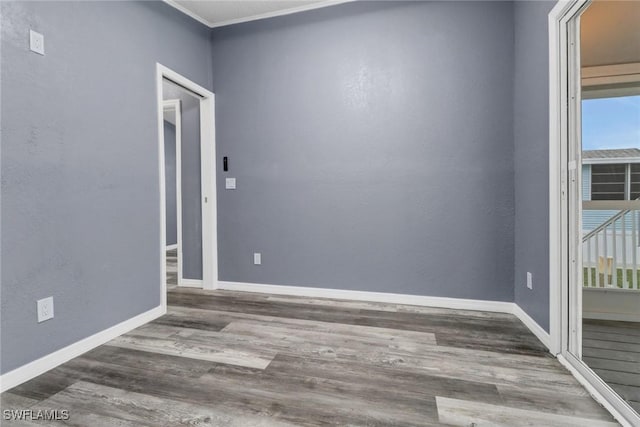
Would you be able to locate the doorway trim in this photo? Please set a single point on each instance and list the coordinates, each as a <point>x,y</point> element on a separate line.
<point>207,179</point>
<point>564,71</point>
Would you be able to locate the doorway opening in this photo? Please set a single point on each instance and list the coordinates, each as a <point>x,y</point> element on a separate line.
<point>187,183</point>
<point>595,198</point>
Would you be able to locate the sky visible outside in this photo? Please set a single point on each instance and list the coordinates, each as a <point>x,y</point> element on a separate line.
<point>609,123</point>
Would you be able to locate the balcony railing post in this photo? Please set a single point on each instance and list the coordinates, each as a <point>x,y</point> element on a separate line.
<point>634,249</point>
<point>625,281</point>
<point>614,263</point>
<point>605,252</point>
<point>598,259</point>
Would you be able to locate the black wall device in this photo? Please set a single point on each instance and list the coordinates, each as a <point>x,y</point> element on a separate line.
<point>225,164</point>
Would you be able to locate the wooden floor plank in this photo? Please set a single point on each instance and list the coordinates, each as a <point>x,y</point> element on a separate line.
<point>611,354</point>
<point>234,359</point>
<point>151,362</point>
<point>610,336</point>
<point>617,377</point>
<point>612,350</point>
<point>612,345</point>
<point>188,348</point>
<point>464,413</point>
<point>362,336</point>
<point>405,383</point>
<point>484,357</point>
<point>343,402</point>
<point>553,401</point>
<point>380,306</point>
<point>628,328</point>
<point>194,323</point>
<point>172,268</point>
<point>628,393</point>
<point>612,365</point>
<point>421,358</point>
<point>96,405</point>
<point>510,331</point>
<point>43,386</point>
<point>10,400</point>
<point>246,393</point>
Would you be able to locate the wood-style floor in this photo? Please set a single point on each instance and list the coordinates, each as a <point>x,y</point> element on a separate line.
<point>172,268</point>
<point>238,359</point>
<point>612,350</point>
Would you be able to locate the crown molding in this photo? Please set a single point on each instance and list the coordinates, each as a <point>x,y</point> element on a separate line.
<point>259,16</point>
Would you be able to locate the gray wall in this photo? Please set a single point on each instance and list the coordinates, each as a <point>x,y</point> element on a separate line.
<point>531,157</point>
<point>170,182</point>
<point>191,190</point>
<point>372,144</point>
<point>80,182</point>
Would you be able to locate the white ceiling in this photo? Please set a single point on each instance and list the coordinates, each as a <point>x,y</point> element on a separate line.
<point>217,13</point>
<point>610,33</point>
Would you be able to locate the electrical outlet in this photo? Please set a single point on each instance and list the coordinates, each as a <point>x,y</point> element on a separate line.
<point>36,42</point>
<point>529,280</point>
<point>257,258</point>
<point>45,309</point>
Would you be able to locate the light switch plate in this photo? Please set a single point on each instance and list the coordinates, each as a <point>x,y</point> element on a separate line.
<point>36,42</point>
<point>45,309</point>
<point>230,183</point>
<point>257,258</point>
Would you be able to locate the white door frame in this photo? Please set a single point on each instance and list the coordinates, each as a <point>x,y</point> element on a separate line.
<point>174,106</point>
<point>564,100</point>
<point>207,179</point>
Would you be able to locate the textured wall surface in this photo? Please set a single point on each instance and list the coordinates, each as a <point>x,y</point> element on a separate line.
<point>170,182</point>
<point>80,176</point>
<point>531,157</point>
<point>373,147</point>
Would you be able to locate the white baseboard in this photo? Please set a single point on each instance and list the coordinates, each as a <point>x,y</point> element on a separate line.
<point>533,326</point>
<point>172,247</point>
<point>440,302</point>
<point>190,283</point>
<point>50,361</point>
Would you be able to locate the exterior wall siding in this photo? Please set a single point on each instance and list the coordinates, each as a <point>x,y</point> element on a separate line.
<point>586,182</point>
<point>592,219</point>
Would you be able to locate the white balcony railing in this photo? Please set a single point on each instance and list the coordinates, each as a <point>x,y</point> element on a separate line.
<point>610,252</point>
